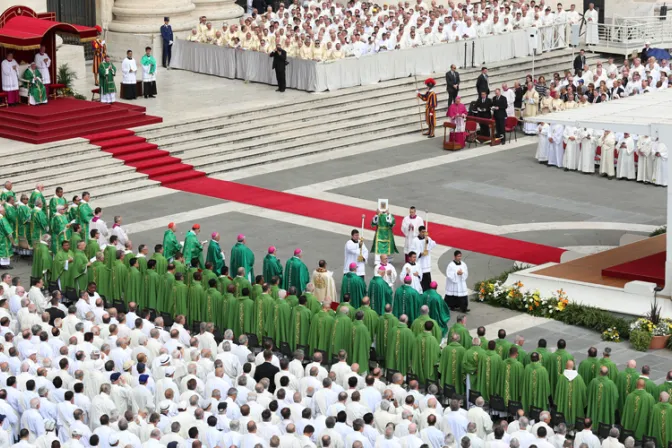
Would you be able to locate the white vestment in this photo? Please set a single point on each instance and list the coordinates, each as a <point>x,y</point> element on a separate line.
<point>10,77</point>
<point>100,225</point>
<point>607,145</point>
<point>129,68</point>
<point>411,270</point>
<point>626,159</point>
<point>409,227</point>
<point>555,150</point>
<point>325,286</point>
<point>390,276</point>
<point>43,63</point>
<point>542,145</point>
<point>660,164</point>
<point>120,233</point>
<point>591,17</point>
<point>418,246</point>
<point>646,159</point>
<point>571,157</point>
<point>589,139</point>
<point>352,251</point>
<point>456,284</point>
<point>510,96</point>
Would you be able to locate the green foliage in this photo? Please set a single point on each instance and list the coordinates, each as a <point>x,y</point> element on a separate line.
<point>654,313</point>
<point>640,340</point>
<point>501,278</point>
<point>66,76</point>
<point>659,231</point>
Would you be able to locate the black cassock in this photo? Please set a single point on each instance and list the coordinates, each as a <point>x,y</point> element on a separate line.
<point>483,110</point>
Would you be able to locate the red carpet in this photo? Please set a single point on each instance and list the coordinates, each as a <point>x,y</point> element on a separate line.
<point>159,165</point>
<point>647,269</point>
<point>64,118</point>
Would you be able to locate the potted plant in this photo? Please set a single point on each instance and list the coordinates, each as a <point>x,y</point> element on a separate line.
<point>658,327</point>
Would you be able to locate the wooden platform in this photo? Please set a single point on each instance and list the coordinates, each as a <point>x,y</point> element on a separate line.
<point>589,269</point>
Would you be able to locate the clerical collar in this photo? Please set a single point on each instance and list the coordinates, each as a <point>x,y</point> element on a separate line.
<point>420,237</point>
<point>355,241</point>
<point>457,262</point>
<point>412,264</point>
<point>412,216</point>
<point>115,225</point>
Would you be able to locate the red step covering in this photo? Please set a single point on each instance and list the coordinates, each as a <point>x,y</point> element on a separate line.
<point>648,269</point>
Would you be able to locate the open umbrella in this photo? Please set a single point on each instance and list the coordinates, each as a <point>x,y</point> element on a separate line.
<point>658,53</point>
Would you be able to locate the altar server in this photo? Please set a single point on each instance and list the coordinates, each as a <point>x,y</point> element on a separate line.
<point>129,69</point>
<point>542,145</point>
<point>626,158</point>
<point>409,227</point>
<point>148,74</point>
<point>645,159</point>
<point>43,62</point>
<point>10,78</point>
<point>423,245</point>
<point>660,164</point>
<point>589,139</point>
<point>355,252</point>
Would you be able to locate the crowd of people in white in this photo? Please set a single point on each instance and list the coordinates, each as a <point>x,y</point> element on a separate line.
<point>330,30</point>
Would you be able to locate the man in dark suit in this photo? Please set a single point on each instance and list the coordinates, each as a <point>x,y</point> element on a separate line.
<point>267,370</point>
<point>453,84</point>
<point>279,63</point>
<point>483,108</point>
<point>499,105</point>
<point>579,63</point>
<point>167,38</point>
<point>482,82</point>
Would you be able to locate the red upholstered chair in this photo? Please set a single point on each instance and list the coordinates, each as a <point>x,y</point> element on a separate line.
<point>510,126</point>
<point>3,99</point>
<point>471,128</point>
<point>93,93</point>
<point>598,153</point>
<point>52,89</point>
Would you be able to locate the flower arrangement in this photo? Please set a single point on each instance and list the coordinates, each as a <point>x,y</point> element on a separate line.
<point>611,335</point>
<point>662,328</point>
<point>515,297</point>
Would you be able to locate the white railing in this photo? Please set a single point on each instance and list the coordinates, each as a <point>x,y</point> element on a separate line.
<point>629,37</point>
<point>552,37</point>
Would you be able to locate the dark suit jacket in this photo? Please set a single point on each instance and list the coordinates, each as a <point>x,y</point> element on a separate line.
<point>484,108</point>
<point>452,79</point>
<point>482,85</point>
<point>279,59</point>
<point>260,6</point>
<point>266,370</point>
<point>579,62</point>
<point>54,313</point>
<point>502,104</point>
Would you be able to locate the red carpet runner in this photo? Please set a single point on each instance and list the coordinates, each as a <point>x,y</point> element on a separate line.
<point>171,172</point>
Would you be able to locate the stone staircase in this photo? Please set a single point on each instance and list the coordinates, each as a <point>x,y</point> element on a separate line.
<point>224,144</point>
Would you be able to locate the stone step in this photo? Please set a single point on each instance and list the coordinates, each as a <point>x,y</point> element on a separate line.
<point>86,167</point>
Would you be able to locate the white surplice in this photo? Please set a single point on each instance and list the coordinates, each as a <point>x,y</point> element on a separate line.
<point>390,273</point>
<point>571,157</point>
<point>456,284</point>
<point>542,145</point>
<point>626,159</point>
<point>43,62</point>
<point>409,227</point>
<point>120,233</point>
<point>425,261</point>
<point>352,251</point>
<point>555,151</point>
<point>411,270</point>
<point>589,139</point>
<point>129,68</point>
<point>660,164</point>
<point>100,225</point>
<point>592,36</point>
<point>645,159</point>
<point>10,76</point>
<point>607,144</point>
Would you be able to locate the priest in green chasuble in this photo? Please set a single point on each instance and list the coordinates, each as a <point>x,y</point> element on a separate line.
<point>510,380</point>
<point>385,323</point>
<point>6,240</point>
<point>214,305</point>
<point>346,303</point>
<point>570,393</point>
<point>272,266</point>
<point>193,248</point>
<point>106,72</point>
<point>383,240</point>
<point>418,326</point>
<point>61,271</point>
<point>244,315</point>
<point>300,324</point>
<point>207,274</point>
<point>536,385</point>
<point>361,343</point>
<point>85,214</point>
<point>460,328</point>
<point>370,316</point>
<point>278,327</point>
<point>55,201</point>
<point>380,292</point>
<point>665,387</point>
<point>263,311</point>
<point>178,299</point>
<point>589,367</point>
<point>426,353</point>
<point>406,300</point>
<point>241,282</point>
<point>170,244</point>
<point>119,274</point>
<point>660,422</point>
<point>354,285</point>
<point>37,195</point>
<point>161,262</point>
<point>39,224</point>
<point>79,267</point>
<point>400,346</point>
<point>611,365</point>
<point>92,246</point>
<point>152,285</point>
<point>242,257</point>
<point>321,324</point>
<point>503,345</point>
<point>451,364</point>
<point>296,272</point>
<point>58,227</point>
<point>32,80</point>
<point>650,385</point>
<point>602,398</point>
<point>23,237</point>
<point>134,291</point>
<point>489,368</point>
<point>110,252</point>
<point>558,362</point>
<point>638,410</point>
<point>542,351</point>
<point>215,254</point>
<point>313,303</point>
<point>166,290</point>
<point>625,382</point>
<point>100,275</point>
<point>438,309</point>
<point>341,332</point>
<point>42,258</point>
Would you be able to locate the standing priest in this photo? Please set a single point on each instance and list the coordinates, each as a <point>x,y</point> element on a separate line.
<point>296,272</point>
<point>215,254</point>
<point>43,62</point>
<point>106,72</point>
<point>129,69</point>
<point>10,79</point>
<point>148,74</point>
<point>383,241</point>
<point>242,257</point>
<point>355,252</point>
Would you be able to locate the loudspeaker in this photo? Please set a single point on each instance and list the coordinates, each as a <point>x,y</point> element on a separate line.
<point>599,5</point>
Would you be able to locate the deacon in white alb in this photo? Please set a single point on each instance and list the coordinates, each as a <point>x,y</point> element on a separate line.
<point>409,227</point>
<point>98,224</point>
<point>457,296</point>
<point>591,18</point>
<point>390,275</point>
<point>43,62</point>
<point>119,232</point>
<point>626,158</point>
<point>571,157</point>
<point>128,81</point>
<point>646,159</point>
<point>355,252</point>
<point>413,270</point>
<point>660,164</point>
<point>422,246</point>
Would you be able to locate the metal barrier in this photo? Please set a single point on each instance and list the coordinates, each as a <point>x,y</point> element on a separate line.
<point>626,36</point>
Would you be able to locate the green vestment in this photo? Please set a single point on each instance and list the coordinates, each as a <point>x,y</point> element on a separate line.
<point>465,337</point>
<point>152,287</point>
<point>383,241</point>
<point>119,278</point>
<point>213,307</point>
<point>660,424</point>
<point>355,286</point>
<point>275,292</point>
<point>588,369</point>
<point>300,326</point>
<point>134,291</point>
<point>502,348</point>
<point>106,72</point>
<point>351,309</point>
<point>510,381</point>
<point>380,294</point>
<point>489,367</point>
<point>292,301</point>
<point>637,411</point>
<point>522,355</point>
<point>142,264</point>
<point>215,256</point>
<point>650,386</point>
<point>34,197</point>
<point>400,348</point>
<point>58,231</point>
<point>164,304</point>
<point>196,302</point>
<point>24,229</point>
<point>54,203</point>
<point>272,268</point>
<point>179,298</point>
<point>543,353</point>
<point>32,80</point>
<point>263,311</point>
<point>602,400</point>
<point>470,363</point>
<point>320,331</point>
<point>557,365</point>
<point>282,314</point>
<point>296,274</point>
<point>92,248</point>
<point>223,283</point>
<point>438,310</point>
<point>665,387</point>
<point>161,263</point>
<point>613,369</point>
<point>406,301</point>
<point>72,212</point>
<point>385,323</point>
<point>242,257</point>
<point>370,319</point>
<point>426,353</point>
<point>206,276</point>
<point>570,396</point>
<point>418,327</point>
<point>451,366</point>
<point>59,273</point>
<point>190,275</point>
<point>12,216</point>
<point>79,266</point>
<point>312,303</point>
<point>341,334</point>
<point>74,239</point>
<point>180,267</point>
<point>110,256</point>
<point>41,261</point>
<point>39,225</point>
<point>361,346</point>
<point>170,244</point>
<point>192,248</point>
<point>536,386</point>
<point>6,194</point>
<point>100,275</point>
<point>84,217</point>
<point>256,291</point>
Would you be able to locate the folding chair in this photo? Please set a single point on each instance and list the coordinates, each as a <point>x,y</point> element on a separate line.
<point>325,358</point>
<point>513,407</point>
<point>557,418</point>
<point>120,305</point>
<point>252,340</point>
<point>473,396</point>
<point>285,350</point>
<point>510,126</point>
<point>167,319</point>
<point>152,314</point>
<point>304,348</point>
<point>265,339</point>
<point>579,424</point>
<point>196,327</point>
<point>534,413</point>
<point>390,374</point>
<point>71,294</point>
<point>497,403</point>
<point>53,286</point>
<point>649,439</point>
<point>627,433</point>
<point>412,377</point>
<point>471,128</point>
<point>603,430</point>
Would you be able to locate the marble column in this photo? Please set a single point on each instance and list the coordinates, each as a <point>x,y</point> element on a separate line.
<point>146,16</point>
<point>217,10</point>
